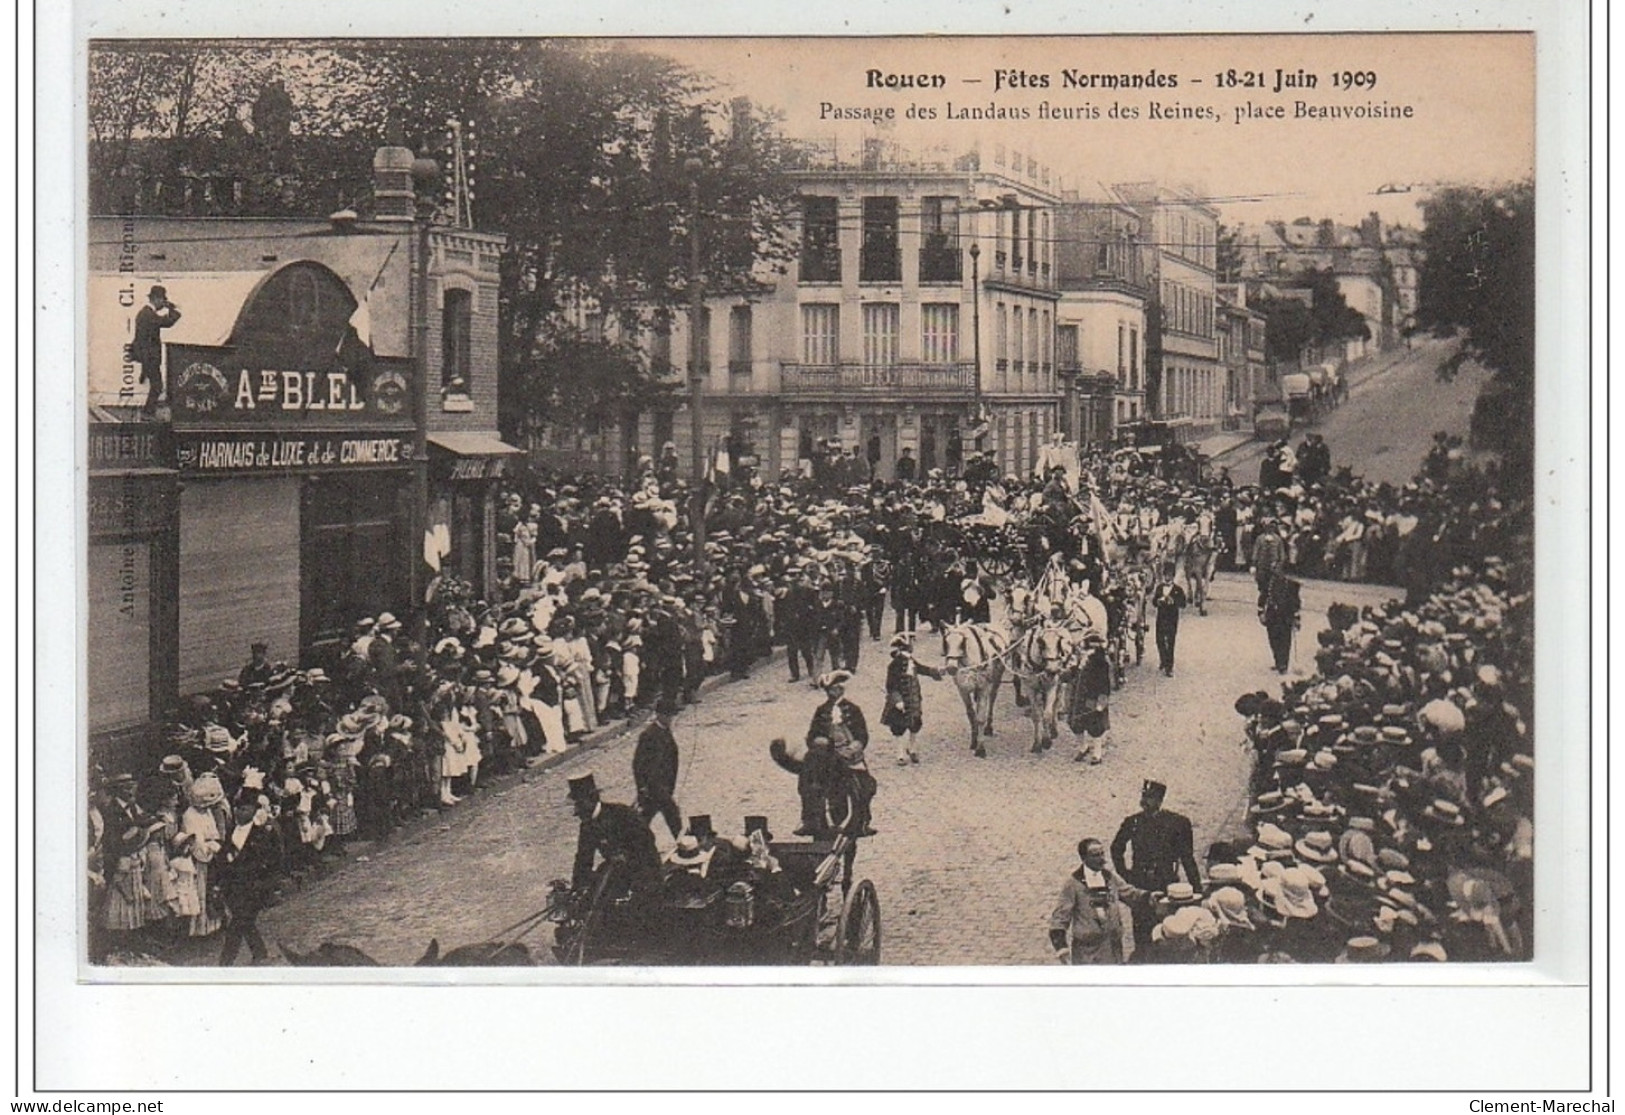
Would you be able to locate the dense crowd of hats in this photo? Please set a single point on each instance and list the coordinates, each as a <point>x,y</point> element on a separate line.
<point>1392,797</point>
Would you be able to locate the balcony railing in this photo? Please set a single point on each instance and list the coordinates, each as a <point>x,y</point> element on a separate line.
<point>880,265</point>
<point>939,265</point>
<point>821,266</point>
<point>998,261</point>
<point>842,379</point>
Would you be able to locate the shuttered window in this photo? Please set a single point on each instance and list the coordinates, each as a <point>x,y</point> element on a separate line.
<point>820,333</point>
<point>939,332</point>
<point>880,334</point>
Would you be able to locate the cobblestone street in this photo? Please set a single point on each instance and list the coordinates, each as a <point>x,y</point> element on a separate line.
<point>971,852</point>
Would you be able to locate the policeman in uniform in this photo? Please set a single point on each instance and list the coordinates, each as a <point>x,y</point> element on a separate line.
<point>1161,843</point>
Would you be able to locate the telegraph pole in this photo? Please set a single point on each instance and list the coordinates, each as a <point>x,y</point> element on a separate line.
<point>696,375</point>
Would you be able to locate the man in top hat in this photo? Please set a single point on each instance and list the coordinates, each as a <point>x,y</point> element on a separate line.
<point>616,833</point>
<point>654,767</point>
<point>147,346</point>
<point>1162,844</point>
<point>1168,600</point>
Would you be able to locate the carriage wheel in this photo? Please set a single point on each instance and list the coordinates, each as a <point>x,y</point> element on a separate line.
<point>996,565</point>
<point>858,940</point>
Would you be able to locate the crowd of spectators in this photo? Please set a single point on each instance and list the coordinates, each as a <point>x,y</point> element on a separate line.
<point>1392,799</point>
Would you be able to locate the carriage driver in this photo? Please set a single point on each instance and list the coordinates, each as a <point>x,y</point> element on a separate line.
<point>617,833</point>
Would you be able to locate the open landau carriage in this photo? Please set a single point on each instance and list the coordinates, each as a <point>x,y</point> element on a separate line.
<point>808,911</point>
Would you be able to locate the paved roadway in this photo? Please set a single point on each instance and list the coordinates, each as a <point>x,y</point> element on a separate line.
<point>1396,404</point>
<point>971,852</point>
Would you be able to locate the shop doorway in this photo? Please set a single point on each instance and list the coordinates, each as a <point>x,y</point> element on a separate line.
<point>353,558</point>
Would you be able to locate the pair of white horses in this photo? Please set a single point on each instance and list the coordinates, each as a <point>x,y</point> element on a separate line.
<point>1055,639</point>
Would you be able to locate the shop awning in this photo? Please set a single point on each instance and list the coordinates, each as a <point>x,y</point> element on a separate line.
<point>473,444</point>
<point>471,455</point>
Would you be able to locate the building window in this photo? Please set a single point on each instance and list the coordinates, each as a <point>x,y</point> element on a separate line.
<point>739,341</point>
<point>820,333</point>
<point>1066,353</point>
<point>1133,359</point>
<point>939,332</point>
<point>456,341</point>
<point>1018,346</point>
<point>1032,338</point>
<point>1001,332</point>
<point>880,334</point>
<point>660,349</point>
<point>820,241</point>
<point>1046,351</point>
<point>939,244</point>
<point>1015,240</point>
<point>880,260</point>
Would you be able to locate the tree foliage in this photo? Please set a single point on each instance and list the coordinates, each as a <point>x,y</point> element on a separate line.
<point>1477,279</point>
<point>1323,318</point>
<point>586,156</point>
<point>1477,282</point>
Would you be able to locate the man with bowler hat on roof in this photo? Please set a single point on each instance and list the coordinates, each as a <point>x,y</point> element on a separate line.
<point>147,346</point>
<point>616,834</point>
<point>1149,851</point>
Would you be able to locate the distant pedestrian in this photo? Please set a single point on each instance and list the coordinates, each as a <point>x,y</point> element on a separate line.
<point>1087,924</point>
<point>1169,600</point>
<point>1150,850</point>
<point>654,768</point>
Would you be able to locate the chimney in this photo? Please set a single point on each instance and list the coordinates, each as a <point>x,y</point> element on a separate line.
<point>393,198</point>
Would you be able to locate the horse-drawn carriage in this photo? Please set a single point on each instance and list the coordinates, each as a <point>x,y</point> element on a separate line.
<point>806,911</point>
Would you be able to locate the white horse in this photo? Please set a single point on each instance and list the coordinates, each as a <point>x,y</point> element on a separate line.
<point>975,656</point>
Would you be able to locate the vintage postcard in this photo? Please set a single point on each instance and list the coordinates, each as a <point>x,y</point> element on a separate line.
<point>1010,504</point>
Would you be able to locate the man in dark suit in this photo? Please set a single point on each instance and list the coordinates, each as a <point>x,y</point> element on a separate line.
<point>654,768</point>
<point>795,615</point>
<point>248,867</point>
<point>616,833</point>
<point>147,346</point>
<point>1160,844</point>
<point>1279,606</point>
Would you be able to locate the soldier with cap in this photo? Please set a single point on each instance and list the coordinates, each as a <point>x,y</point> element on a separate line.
<point>616,834</point>
<point>1150,849</point>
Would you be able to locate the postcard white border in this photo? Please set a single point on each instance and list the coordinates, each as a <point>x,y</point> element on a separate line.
<point>996,1034</point>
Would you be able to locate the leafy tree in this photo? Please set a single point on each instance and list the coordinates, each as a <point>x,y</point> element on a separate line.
<point>1294,325</point>
<point>1477,283</point>
<point>581,156</point>
<point>1477,279</point>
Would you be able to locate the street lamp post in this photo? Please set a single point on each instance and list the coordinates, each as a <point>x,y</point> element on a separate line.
<point>696,380</point>
<point>425,177</point>
<point>976,336</point>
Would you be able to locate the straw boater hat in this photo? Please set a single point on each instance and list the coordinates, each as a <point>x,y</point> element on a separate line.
<point>1363,950</point>
<point>833,678</point>
<point>1317,847</point>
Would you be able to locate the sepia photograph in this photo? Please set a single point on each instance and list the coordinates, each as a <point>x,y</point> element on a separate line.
<point>896,502</point>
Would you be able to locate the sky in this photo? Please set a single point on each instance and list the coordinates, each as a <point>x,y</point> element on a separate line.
<point>1471,98</point>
